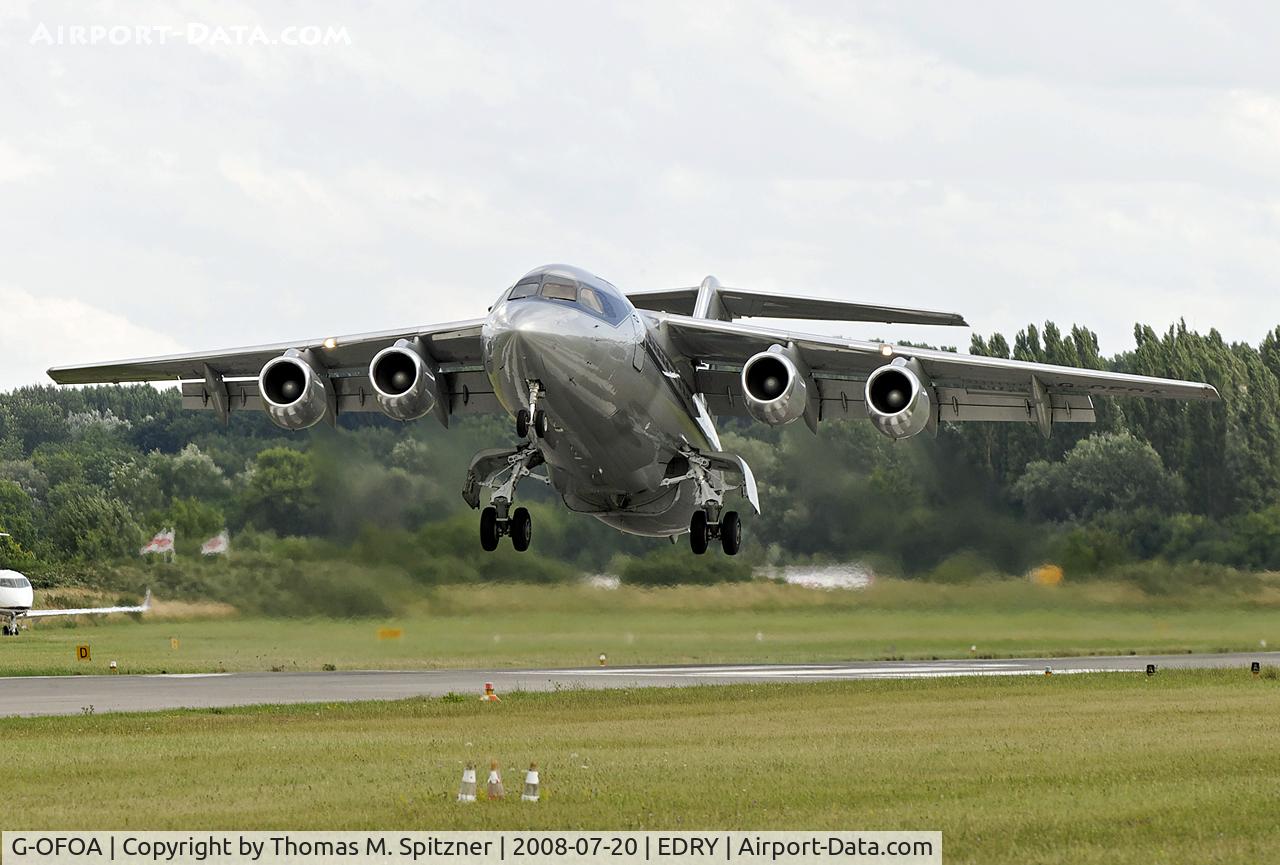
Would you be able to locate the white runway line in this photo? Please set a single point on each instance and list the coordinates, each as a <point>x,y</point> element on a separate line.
<point>899,670</point>
<point>184,675</point>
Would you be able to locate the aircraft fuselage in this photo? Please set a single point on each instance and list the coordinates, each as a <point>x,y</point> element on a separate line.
<point>619,411</point>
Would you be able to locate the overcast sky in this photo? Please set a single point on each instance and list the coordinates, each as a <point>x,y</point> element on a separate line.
<point>1101,163</point>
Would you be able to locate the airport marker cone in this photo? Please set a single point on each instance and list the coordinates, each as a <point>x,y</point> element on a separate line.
<point>603,659</point>
<point>467,789</point>
<point>1048,671</point>
<point>489,695</point>
<point>530,793</point>
<point>495,789</point>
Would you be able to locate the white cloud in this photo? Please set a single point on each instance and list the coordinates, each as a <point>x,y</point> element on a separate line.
<point>39,332</point>
<point>16,166</point>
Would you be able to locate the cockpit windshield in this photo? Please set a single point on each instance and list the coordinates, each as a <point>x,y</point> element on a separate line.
<point>14,583</point>
<point>554,289</point>
<point>599,300</point>
<point>589,298</point>
<point>524,289</point>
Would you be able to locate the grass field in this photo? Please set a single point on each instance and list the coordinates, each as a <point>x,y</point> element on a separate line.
<point>1101,768</point>
<point>523,626</point>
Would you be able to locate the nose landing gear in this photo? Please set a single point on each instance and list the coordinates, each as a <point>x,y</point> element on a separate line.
<point>532,418</point>
<point>11,627</point>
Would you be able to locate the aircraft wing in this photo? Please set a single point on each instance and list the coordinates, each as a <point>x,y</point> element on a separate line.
<point>745,303</point>
<point>968,387</point>
<point>455,346</point>
<point>91,611</point>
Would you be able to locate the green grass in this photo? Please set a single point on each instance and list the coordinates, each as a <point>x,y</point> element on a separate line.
<point>1103,768</point>
<point>524,626</point>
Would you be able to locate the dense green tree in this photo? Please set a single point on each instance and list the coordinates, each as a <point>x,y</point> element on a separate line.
<point>1111,471</point>
<point>280,492</point>
<point>17,514</point>
<point>84,524</point>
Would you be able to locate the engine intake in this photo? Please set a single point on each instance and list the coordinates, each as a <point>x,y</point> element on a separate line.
<point>294,395</point>
<point>774,390</point>
<point>404,381</point>
<point>898,399</point>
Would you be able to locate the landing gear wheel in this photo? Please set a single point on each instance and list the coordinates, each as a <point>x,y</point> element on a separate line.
<point>521,529</point>
<point>489,529</point>
<point>698,532</point>
<point>731,533</point>
<point>540,424</point>
<point>522,423</point>
<point>6,630</point>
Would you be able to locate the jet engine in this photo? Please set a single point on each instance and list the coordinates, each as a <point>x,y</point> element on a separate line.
<point>775,390</point>
<point>404,379</point>
<point>294,394</point>
<point>898,399</point>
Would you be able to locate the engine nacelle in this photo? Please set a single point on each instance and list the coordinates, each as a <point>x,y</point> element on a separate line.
<point>775,391</point>
<point>294,394</point>
<point>404,380</point>
<point>898,399</point>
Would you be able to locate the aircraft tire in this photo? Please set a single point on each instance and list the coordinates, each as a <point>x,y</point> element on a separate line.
<point>540,424</point>
<point>731,533</point>
<point>698,532</point>
<point>489,529</point>
<point>521,529</point>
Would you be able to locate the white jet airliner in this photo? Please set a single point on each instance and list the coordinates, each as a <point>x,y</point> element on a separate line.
<point>16,598</point>
<point>614,395</point>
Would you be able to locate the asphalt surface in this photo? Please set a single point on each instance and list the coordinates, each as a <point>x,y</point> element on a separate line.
<point>71,695</point>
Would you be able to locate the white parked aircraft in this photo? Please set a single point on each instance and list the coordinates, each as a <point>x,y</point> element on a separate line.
<point>16,598</point>
<point>614,394</point>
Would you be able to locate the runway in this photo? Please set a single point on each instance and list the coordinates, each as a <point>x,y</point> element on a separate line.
<point>72,695</point>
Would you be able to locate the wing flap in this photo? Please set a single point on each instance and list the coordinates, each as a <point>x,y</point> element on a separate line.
<point>470,392</point>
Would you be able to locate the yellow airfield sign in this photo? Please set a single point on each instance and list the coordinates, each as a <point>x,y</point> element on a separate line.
<point>82,652</point>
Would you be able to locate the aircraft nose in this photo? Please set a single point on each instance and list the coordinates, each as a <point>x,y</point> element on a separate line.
<point>522,335</point>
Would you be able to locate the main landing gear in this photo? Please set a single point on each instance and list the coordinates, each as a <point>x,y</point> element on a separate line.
<point>519,526</point>
<point>501,470</point>
<point>728,530</point>
<point>710,521</point>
